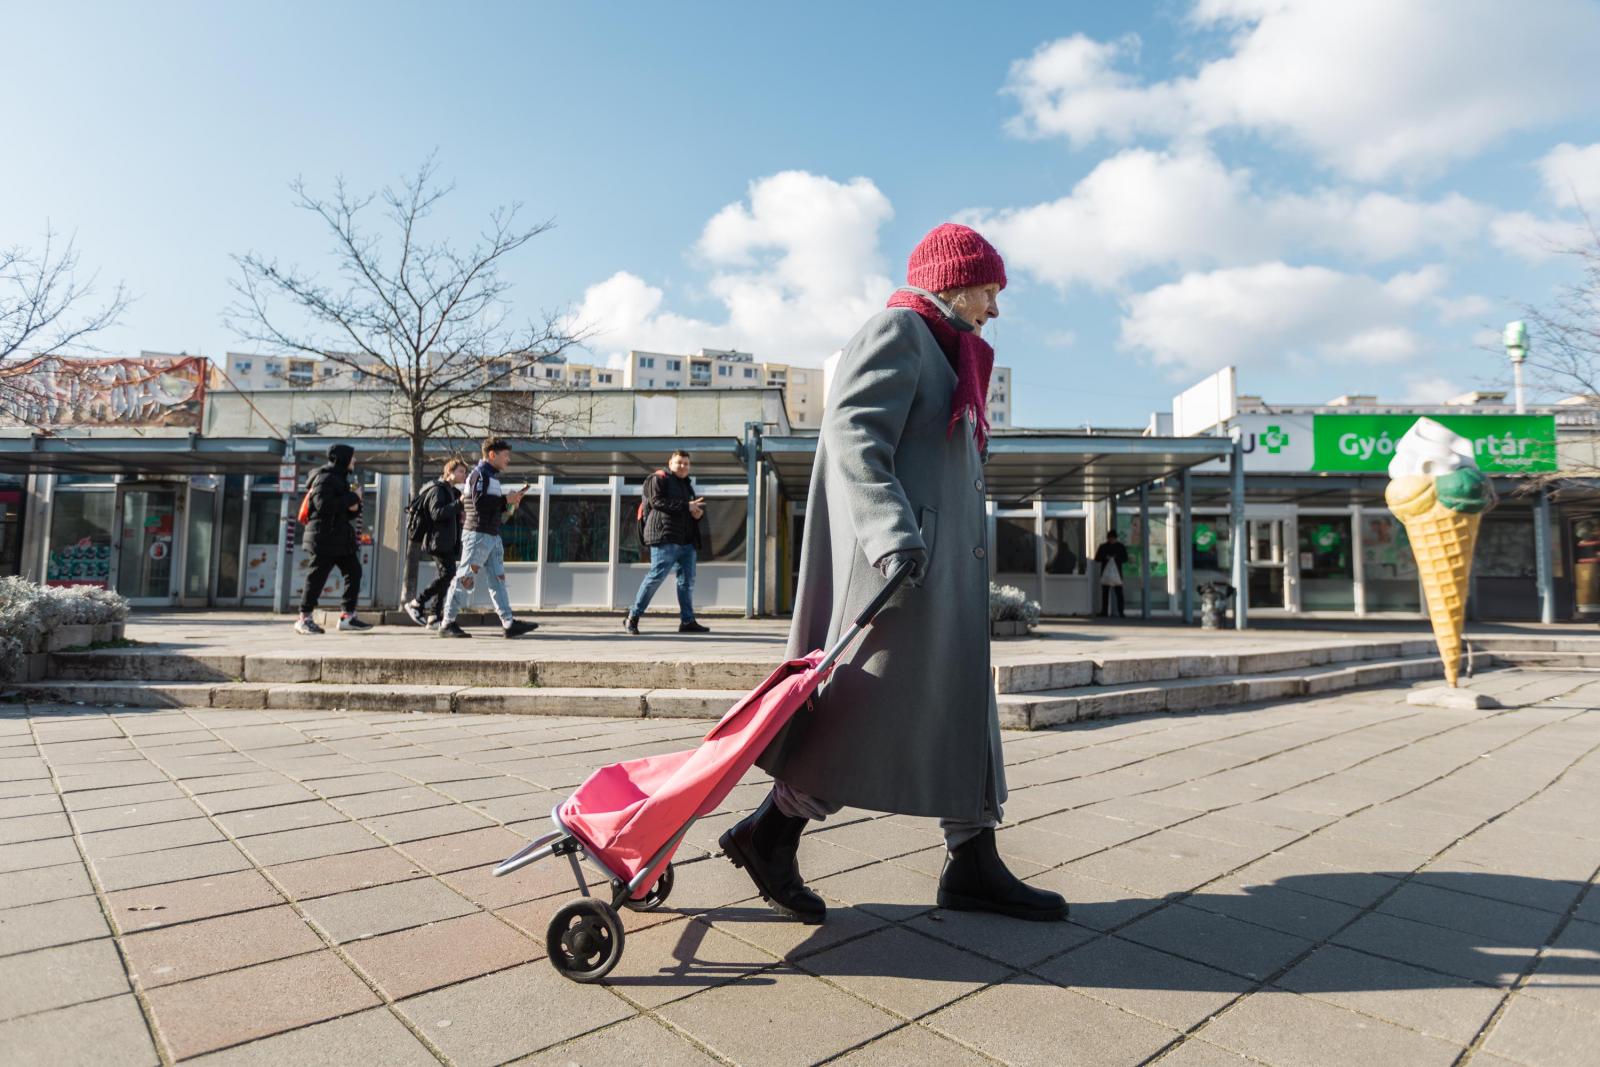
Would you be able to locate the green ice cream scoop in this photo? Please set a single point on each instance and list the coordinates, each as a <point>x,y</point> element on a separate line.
<point>1467,490</point>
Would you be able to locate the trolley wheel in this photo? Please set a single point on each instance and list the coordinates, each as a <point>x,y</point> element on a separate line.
<point>584,940</point>
<point>656,897</point>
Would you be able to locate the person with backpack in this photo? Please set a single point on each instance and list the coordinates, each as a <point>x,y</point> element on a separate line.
<point>485,505</point>
<point>670,518</point>
<point>433,523</point>
<point>328,513</point>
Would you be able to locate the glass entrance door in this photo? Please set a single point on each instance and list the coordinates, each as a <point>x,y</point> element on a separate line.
<point>144,556</point>
<point>199,543</point>
<point>1267,558</point>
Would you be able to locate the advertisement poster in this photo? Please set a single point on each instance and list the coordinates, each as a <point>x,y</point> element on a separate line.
<point>260,568</point>
<point>60,391</point>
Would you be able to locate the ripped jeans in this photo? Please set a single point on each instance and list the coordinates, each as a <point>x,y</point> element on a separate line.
<point>483,561</point>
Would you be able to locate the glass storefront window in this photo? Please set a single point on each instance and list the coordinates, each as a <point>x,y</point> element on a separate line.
<point>144,565</point>
<point>1389,569</point>
<point>1505,549</point>
<point>1131,534</point>
<point>520,532</point>
<point>1586,564</point>
<point>11,505</point>
<point>1327,567</point>
<point>1016,545</point>
<point>1064,550</point>
<point>580,529</point>
<point>80,537</point>
<point>200,541</point>
<point>229,535</point>
<point>723,530</point>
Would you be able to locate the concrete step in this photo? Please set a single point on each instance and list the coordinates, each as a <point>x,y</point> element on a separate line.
<point>1037,710</point>
<point>1546,658</point>
<point>460,699</point>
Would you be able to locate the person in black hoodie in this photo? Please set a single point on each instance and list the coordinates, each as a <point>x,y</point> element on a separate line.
<point>672,515</point>
<point>440,501</point>
<point>330,535</point>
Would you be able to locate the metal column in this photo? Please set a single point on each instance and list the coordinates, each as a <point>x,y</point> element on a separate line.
<point>280,585</point>
<point>1542,557</point>
<point>1241,575</point>
<point>1144,551</point>
<point>752,462</point>
<point>1186,546</point>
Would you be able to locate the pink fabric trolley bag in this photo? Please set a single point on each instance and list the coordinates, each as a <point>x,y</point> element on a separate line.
<point>627,819</point>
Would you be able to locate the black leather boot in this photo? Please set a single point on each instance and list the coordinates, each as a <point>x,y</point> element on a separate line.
<point>764,844</point>
<point>975,878</point>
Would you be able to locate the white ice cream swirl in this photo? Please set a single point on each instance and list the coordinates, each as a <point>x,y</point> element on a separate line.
<point>1431,448</point>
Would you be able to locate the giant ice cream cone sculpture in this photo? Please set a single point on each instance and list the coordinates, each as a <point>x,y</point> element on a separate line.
<point>1436,489</point>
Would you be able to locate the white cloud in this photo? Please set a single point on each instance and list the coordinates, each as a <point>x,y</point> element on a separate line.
<point>1535,239</point>
<point>1572,175</point>
<point>796,268</point>
<point>1371,88</point>
<point>1458,309</point>
<point>1273,312</point>
<point>1430,389</point>
<point>1142,208</point>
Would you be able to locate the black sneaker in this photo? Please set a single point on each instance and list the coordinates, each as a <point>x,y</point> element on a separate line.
<point>306,625</point>
<point>518,628</point>
<point>451,629</point>
<point>414,610</point>
<point>692,627</point>
<point>631,624</point>
<point>351,622</point>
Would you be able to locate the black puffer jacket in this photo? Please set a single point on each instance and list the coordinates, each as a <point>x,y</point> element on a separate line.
<point>443,504</point>
<point>666,511</point>
<point>331,531</point>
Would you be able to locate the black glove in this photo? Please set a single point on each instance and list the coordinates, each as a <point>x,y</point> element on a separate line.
<point>917,558</point>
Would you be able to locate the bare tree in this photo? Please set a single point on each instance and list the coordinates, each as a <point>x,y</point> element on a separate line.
<point>43,310</point>
<point>1564,349</point>
<point>427,328</point>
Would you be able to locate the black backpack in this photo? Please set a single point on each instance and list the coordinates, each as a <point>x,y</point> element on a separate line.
<point>419,521</point>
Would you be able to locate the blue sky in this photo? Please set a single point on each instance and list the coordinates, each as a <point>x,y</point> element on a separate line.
<point>1338,197</point>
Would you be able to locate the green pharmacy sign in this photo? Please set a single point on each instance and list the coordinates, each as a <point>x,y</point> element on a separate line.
<point>1502,444</point>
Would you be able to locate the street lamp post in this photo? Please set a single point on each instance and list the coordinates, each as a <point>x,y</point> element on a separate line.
<point>1516,342</point>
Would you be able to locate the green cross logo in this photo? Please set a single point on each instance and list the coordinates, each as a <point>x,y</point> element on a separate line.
<point>1274,439</point>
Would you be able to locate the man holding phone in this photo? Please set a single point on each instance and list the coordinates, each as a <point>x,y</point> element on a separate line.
<point>671,531</point>
<point>485,505</point>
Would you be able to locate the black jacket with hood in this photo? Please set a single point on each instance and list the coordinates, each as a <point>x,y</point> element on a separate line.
<point>331,531</point>
<point>667,519</point>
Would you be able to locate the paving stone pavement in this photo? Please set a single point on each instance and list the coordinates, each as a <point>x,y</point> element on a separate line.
<point>1346,880</point>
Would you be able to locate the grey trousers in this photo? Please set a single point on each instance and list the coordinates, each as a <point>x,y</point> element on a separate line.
<point>797,805</point>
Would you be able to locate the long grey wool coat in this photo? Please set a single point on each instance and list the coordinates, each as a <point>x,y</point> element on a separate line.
<point>908,722</point>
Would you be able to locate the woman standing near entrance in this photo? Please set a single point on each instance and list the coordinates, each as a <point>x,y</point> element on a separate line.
<point>908,723</point>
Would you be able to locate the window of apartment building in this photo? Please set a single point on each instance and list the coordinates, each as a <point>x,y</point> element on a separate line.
<point>674,364</point>
<point>647,361</point>
<point>749,372</point>
<point>724,371</point>
<point>300,372</point>
<point>242,367</point>
<point>272,368</point>
<point>605,379</point>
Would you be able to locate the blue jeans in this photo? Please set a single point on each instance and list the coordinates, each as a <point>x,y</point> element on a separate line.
<point>662,559</point>
<point>482,556</point>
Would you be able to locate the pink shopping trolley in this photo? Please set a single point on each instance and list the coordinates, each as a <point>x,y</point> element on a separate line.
<point>627,819</point>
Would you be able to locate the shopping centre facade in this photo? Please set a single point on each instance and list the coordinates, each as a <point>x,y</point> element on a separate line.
<point>189,503</point>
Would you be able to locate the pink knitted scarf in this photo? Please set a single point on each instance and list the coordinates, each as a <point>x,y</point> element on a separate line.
<point>970,355</point>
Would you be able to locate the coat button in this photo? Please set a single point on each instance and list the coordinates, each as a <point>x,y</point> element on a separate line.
<point>979,552</point>
<point>978,485</point>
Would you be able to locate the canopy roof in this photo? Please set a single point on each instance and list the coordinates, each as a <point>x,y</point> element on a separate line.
<point>1027,467</point>
<point>191,454</point>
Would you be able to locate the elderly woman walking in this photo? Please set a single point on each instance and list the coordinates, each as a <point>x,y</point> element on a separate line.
<point>908,724</point>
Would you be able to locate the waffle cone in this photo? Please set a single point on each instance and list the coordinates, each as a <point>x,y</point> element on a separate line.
<point>1442,542</point>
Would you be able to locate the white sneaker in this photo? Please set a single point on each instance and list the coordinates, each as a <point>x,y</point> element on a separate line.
<point>305,625</point>
<point>414,610</point>
<point>350,622</point>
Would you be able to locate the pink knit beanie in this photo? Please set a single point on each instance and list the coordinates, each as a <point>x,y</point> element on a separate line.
<point>952,256</point>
